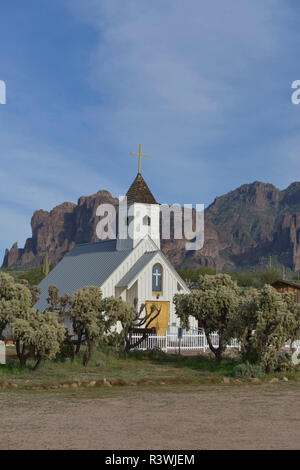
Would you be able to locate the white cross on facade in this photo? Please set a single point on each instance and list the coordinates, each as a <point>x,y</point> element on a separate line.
<point>156,275</point>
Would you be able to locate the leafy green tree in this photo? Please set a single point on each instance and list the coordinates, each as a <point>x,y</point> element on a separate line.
<point>214,305</point>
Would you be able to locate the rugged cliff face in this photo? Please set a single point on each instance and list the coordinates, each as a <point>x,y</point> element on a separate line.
<point>243,227</point>
<point>57,231</point>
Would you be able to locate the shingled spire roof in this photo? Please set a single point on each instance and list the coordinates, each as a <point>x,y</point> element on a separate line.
<point>139,192</point>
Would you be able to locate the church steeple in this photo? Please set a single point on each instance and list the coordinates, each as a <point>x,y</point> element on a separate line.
<point>138,218</point>
<point>140,192</point>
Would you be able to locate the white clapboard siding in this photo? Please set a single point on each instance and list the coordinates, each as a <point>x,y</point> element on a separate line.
<point>142,287</point>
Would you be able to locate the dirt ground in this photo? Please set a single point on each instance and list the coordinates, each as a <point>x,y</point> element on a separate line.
<point>207,417</point>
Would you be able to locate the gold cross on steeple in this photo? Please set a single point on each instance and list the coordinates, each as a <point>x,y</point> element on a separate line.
<point>140,154</point>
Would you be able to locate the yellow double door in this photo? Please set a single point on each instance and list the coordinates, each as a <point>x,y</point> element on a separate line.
<point>161,322</point>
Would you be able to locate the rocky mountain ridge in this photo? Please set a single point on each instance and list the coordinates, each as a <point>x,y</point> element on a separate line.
<point>243,227</point>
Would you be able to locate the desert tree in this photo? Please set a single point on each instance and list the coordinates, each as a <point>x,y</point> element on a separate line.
<point>277,322</point>
<point>34,291</point>
<point>62,305</point>
<point>141,319</point>
<point>242,325</point>
<point>14,299</point>
<point>37,335</point>
<point>131,319</point>
<point>266,320</point>
<point>93,317</point>
<point>214,304</point>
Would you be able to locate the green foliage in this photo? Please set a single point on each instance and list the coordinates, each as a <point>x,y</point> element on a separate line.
<point>214,305</point>
<point>154,354</point>
<point>46,265</point>
<point>193,274</point>
<point>243,279</point>
<point>266,320</point>
<point>247,370</point>
<point>113,339</point>
<point>275,325</point>
<point>12,367</point>
<point>93,316</point>
<point>296,277</point>
<point>262,320</point>
<point>244,323</point>
<point>257,279</point>
<point>34,276</point>
<point>14,299</point>
<point>37,335</point>
<point>284,364</point>
<point>60,304</point>
<point>268,276</point>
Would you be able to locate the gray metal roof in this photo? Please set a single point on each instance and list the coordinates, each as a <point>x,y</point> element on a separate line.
<point>136,269</point>
<point>88,264</point>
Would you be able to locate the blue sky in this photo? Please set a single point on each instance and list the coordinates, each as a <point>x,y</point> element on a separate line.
<point>205,86</point>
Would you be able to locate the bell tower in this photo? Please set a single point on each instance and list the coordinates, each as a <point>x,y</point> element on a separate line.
<point>138,214</point>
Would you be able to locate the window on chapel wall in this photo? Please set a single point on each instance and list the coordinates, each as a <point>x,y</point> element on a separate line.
<point>157,274</point>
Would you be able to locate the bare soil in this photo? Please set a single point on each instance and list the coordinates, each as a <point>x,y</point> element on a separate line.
<point>265,416</point>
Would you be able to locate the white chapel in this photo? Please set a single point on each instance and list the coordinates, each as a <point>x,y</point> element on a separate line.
<point>131,266</point>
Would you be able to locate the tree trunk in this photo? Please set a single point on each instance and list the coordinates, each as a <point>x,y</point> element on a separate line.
<point>72,351</point>
<point>21,353</point>
<point>221,348</point>
<point>78,345</point>
<point>211,347</point>
<point>88,353</point>
<point>37,363</point>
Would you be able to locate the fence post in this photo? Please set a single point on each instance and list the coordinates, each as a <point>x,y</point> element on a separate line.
<point>2,352</point>
<point>166,340</point>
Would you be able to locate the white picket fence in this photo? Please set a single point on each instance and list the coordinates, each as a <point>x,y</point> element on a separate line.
<point>188,342</point>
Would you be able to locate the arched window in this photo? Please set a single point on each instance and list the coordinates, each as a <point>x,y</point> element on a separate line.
<point>157,274</point>
<point>146,220</point>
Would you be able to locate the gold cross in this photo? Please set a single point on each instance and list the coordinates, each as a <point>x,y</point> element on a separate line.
<point>140,154</point>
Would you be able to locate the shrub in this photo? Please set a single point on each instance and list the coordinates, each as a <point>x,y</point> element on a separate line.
<point>247,370</point>
<point>152,354</point>
<point>113,339</point>
<point>214,305</point>
<point>265,321</point>
<point>12,367</point>
<point>285,364</point>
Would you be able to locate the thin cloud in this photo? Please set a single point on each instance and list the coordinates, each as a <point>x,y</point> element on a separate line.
<point>204,86</point>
